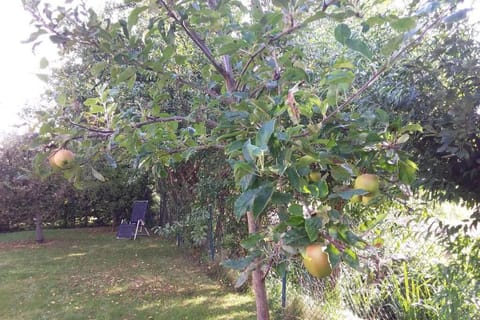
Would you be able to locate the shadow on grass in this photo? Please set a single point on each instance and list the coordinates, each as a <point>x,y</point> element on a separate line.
<point>90,275</point>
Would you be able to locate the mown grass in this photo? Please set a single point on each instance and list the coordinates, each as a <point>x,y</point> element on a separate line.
<point>87,274</point>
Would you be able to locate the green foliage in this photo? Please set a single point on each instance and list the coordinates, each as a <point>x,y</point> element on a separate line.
<point>171,80</point>
<point>438,88</point>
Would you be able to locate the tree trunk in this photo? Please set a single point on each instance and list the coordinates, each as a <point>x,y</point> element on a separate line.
<point>38,228</point>
<point>258,278</point>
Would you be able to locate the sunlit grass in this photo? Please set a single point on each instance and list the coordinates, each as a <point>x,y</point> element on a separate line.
<point>80,274</point>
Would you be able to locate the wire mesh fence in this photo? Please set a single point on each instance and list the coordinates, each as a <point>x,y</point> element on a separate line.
<point>345,295</point>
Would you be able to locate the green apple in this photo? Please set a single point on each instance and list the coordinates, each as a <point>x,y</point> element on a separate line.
<point>316,261</point>
<point>315,176</point>
<point>62,159</point>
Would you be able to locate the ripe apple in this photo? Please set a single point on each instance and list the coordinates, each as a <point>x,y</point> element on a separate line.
<point>315,176</point>
<point>368,182</point>
<point>316,261</point>
<point>62,159</point>
<point>52,162</point>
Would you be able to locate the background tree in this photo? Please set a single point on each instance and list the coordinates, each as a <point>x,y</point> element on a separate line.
<point>438,88</point>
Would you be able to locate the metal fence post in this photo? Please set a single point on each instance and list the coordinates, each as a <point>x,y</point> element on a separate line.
<point>284,289</point>
<point>210,232</point>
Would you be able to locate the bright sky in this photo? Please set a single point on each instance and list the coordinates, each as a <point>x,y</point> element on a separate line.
<point>18,84</point>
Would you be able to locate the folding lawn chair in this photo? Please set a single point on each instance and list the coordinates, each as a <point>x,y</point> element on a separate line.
<point>136,226</point>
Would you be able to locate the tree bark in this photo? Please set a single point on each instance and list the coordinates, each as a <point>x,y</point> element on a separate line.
<point>38,228</point>
<point>258,278</point>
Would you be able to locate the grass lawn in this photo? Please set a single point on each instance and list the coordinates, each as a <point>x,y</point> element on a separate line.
<point>88,274</point>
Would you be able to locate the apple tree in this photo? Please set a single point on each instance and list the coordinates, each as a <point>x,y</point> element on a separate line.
<point>174,78</point>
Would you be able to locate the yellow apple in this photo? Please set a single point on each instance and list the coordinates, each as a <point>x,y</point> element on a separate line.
<point>62,159</point>
<point>316,261</point>
<point>368,182</point>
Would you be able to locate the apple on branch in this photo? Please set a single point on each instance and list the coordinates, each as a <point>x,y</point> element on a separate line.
<point>61,159</point>
<point>316,261</point>
<point>368,182</point>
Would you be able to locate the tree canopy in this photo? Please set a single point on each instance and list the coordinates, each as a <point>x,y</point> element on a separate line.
<point>155,82</point>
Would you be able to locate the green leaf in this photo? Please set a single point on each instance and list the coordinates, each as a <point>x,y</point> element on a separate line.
<point>403,138</point>
<point>250,151</point>
<point>240,264</point>
<point>348,194</point>
<point>322,189</point>
<point>168,52</point>
<point>43,63</point>
<point>280,198</point>
<point>42,76</point>
<point>392,45</point>
<point>413,127</point>
<point>404,24</point>
<point>97,68</point>
<point>34,36</point>
<point>334,255</point>
<point>242,279</point>
<point>263,195</point>
<point>295,74</point>
<point>342,33</point>
<point>251,241</point>
<point>306,161</point>
<point>91,102</point>
<point>244,203</point>
<point>61,99</point>
<point>96,108</point>
<point>232,47</point>
<point>98,175</point>
<point>296,181</point>
<point>133,17</point>
<point>295,221</point>
<point>351,258</point>
<point>295,210</point>
<point>317,16</point>
<point>264,134</point>
<point>340,77</point>
<point>296,236</point>
<point>312,227</point>
<point>360,46</point>
<point>457,16</point>
<point>126,74</point>
<point>407,170</point>
<point>340,174</point>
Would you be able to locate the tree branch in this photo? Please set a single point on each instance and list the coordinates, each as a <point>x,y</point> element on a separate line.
<point>285,32</point>
<point>196,39</point>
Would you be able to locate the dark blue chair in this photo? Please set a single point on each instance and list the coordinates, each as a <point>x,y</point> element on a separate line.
<point>134,227</point>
